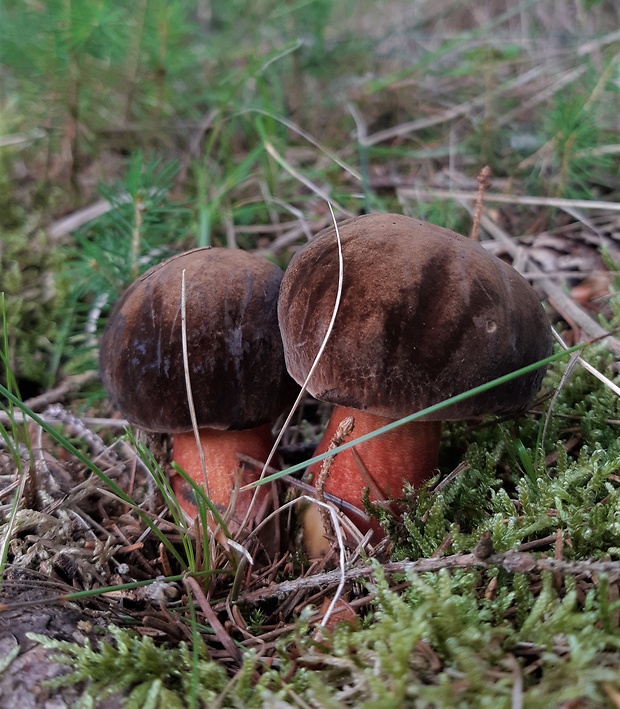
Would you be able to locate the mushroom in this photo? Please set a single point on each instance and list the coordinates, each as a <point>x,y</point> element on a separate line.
<point>425,314</point>
<point>236,365</point>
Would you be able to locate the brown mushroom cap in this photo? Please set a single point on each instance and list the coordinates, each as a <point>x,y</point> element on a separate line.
<point>425,314</point>
<point>236,362</point>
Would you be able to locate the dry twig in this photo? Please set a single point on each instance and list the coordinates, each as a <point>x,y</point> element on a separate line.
<point>483,186</point>
<point>511,561</point>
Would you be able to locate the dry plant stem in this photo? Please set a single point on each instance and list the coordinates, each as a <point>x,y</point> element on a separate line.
<point>514,562</point>
<point>483,186</point>
<point>344,429</point>
<point>213,620</point>
<point>303,180</point>
<point>407,192</point>
<point>407,454</point>
<point>225,471</point>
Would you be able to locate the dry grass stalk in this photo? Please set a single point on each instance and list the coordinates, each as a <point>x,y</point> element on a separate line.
<point>415,193</point>
<point>188,386</point>
<point>483,186</point>
<point>319,354</point>
<point>343,431</point>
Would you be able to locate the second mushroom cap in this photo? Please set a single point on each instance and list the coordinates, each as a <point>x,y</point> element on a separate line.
<point>425,314</point>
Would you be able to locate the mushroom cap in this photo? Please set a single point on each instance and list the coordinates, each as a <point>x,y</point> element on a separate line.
<point>425,314</point>
<point>236,364</point>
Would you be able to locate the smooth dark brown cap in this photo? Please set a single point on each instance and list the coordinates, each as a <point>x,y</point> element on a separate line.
<point>236,362</point>
<point>425,314</point>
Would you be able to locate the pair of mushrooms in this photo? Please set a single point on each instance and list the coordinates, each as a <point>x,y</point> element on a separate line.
<point>425,314</point>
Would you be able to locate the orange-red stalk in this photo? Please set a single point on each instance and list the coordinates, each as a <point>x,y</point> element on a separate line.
<point>221,449</point>
<point>407,454</point>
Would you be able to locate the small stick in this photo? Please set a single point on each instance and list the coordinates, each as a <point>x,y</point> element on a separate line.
<point>511,561</point>
<point>483,186</point>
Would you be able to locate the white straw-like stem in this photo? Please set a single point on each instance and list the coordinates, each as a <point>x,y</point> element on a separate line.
<point>188,386</point>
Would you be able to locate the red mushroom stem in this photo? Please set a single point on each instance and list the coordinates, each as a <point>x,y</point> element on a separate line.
<point>225,470</point>
<point>406,454</point>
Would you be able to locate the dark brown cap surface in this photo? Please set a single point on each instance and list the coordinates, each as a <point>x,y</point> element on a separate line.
<point>425,314</point>
<point>235,353</point>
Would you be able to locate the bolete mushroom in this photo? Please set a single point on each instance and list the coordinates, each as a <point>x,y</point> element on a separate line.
<point>236,365</point>
<point>425,314</point>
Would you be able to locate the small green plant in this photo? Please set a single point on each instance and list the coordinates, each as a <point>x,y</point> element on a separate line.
<point>447,215</point>
<point>531,498</point>
<point>578,122</point>
<point>142,227</point>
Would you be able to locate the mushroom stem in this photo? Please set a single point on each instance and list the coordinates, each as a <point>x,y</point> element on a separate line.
<point>406,454</point>
<point>225,471</point>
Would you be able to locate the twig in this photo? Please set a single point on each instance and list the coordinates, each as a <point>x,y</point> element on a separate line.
<point>19,417</point>
<point>76,427</point>
<point>512,561</point>
<point>58,393</point>
<point>72,222</point>
<point>340,574</point>
<point>412,192</point>
<point>483,186</point>
<point>21,138</point>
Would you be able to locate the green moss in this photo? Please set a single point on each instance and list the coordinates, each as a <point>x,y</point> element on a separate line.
<point>444,644</point>
<point>134,666</point>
